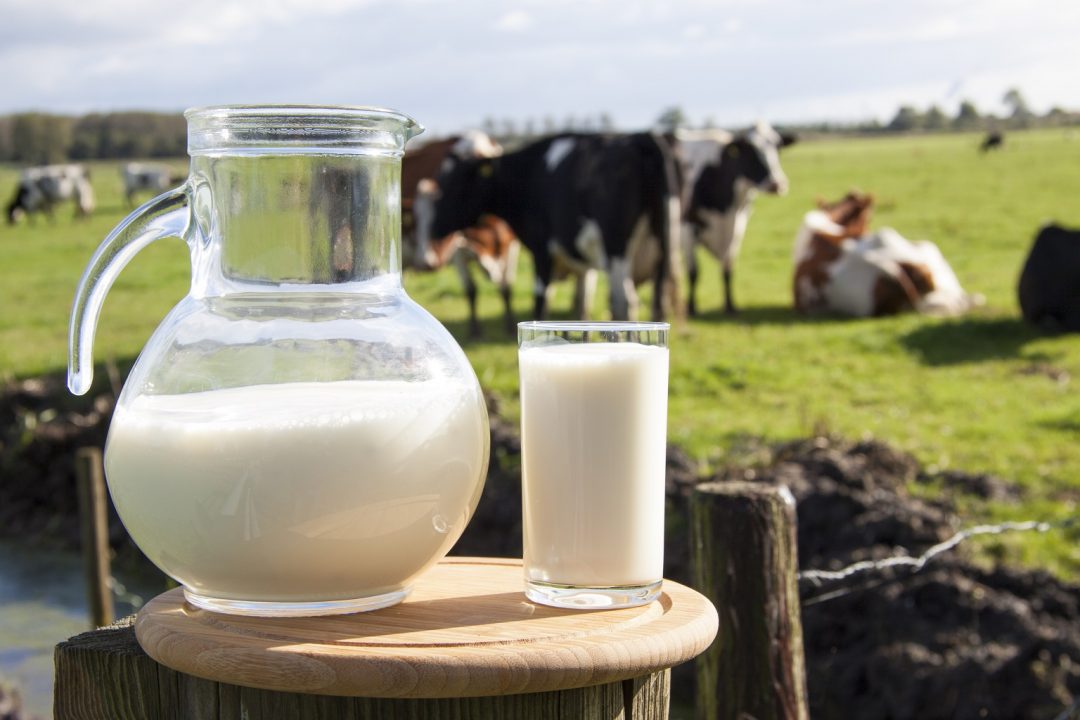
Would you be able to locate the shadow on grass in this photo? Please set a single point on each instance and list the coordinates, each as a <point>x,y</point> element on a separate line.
<point>972,339</point>
<point>493,331</point>
<point>767,315</point>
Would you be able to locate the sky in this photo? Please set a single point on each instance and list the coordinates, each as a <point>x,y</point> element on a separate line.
<point>450,65</point>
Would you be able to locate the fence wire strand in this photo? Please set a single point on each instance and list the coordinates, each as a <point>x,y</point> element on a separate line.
<point>1071,712</point>
<point>817,577</point>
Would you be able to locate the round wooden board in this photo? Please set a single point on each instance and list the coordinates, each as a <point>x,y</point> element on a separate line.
<point>466,630</point>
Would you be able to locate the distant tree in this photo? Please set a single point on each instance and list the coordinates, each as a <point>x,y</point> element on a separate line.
<point>6,148</point>
<point>906,118</point>
<point>1018,107</point>
<point>549,124</point>
<point>529,129</point>
<point>708,123</point>
<point>671,119</point>
<point>935,119</point>
<point>607,124</point>
<point>489,126</point>
<point>967,116</point>
<point>37,138</point>
<point>1055,117</point>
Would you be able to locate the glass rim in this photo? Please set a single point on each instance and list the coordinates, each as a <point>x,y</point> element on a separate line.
<point>593,326</point>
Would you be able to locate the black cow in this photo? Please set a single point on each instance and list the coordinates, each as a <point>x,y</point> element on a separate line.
<point>42,188</point>
<point>1049,289</point>
<point>993,141</point>
<point>723,174</point>
<point>579,203</point>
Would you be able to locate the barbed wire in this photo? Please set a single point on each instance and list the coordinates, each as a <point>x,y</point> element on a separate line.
<point>121,592</point>
<point>1070,712</point>
<point>817,577</point>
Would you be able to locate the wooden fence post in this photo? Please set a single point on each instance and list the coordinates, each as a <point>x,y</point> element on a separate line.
<point>94,526</point>
<point>744,559</point>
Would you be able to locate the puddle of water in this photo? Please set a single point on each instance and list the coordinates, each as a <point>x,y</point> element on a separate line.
<point>42,602</point>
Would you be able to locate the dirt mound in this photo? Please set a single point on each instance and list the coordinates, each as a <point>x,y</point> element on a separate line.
<point>41,428</point>
<point>952,641</point>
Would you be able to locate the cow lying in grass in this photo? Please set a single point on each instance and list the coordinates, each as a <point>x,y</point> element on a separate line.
<point>841,268</point>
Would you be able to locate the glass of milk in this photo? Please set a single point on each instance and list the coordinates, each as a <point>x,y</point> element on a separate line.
<point>593,450</point>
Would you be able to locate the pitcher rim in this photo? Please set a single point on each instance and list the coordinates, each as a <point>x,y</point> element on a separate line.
<point>296,110</point>
<point>340,128</point>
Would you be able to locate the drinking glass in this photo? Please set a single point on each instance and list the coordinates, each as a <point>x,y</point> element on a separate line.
<point>593,450</point>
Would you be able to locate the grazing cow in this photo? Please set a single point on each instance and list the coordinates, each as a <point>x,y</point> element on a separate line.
<point>580,203</point>
<point>1049,289</point>
<point>491,243</point>
<point>993,141</point>
<point>840,268</point>
<point>723,173</point>
<point>143,177</point>
<point>42,188</point>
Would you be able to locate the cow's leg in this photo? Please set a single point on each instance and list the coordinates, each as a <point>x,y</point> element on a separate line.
<point>729,301</point>
<point>508,305</point>
<point>624,300</point>
<point>542,285</point>
<point>584,294</point>
<point>461,264</point>
<point>690,257</point>
<point>506,286</point>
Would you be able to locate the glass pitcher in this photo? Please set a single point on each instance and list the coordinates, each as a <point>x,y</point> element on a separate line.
<point>298,436</point>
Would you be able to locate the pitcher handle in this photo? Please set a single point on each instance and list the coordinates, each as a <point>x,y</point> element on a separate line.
<point>167,215</point>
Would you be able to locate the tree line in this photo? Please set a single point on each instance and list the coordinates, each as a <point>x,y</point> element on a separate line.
<point>36,138</point>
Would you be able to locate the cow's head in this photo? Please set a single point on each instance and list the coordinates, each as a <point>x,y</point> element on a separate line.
<point>756,154</point>
<point>851,212</point>
<point>461,194</point>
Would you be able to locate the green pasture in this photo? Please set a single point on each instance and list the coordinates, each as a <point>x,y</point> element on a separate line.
<point>982,393</point>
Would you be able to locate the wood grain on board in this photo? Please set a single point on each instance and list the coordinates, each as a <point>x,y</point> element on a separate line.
<point>466,630</point>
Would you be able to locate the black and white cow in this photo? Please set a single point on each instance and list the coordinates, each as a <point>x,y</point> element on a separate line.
<point>723,174</point>
<point>1049,288</point>
<point>42,188</point>
<point>144,177</point>
<point>580,203</point>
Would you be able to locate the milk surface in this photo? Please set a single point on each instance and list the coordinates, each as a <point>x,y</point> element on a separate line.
<point>594,439</point>
<point>299,491</point>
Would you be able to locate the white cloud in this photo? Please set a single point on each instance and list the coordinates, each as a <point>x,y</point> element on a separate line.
<point>733,60</point>
<point>514,21</point>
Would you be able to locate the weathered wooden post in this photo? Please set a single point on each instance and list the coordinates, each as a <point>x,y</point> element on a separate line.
<point>466,644</point>
<point>744,559</point>
<point>94,527</point>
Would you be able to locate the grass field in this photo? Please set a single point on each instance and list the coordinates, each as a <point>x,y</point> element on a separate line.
<point>983,393</point>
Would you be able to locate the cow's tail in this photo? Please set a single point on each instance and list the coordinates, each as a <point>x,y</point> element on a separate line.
<point>670,274</point>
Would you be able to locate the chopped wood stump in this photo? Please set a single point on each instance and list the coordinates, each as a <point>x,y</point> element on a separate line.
<point>465,644</point>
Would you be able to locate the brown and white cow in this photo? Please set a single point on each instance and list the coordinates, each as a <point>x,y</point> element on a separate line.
<point>841,268</point>
<point>491,243</point>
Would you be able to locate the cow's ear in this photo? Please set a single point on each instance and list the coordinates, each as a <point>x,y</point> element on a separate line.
<point>732,150</point>
<point>788,139</point>
<point>486,170</point>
